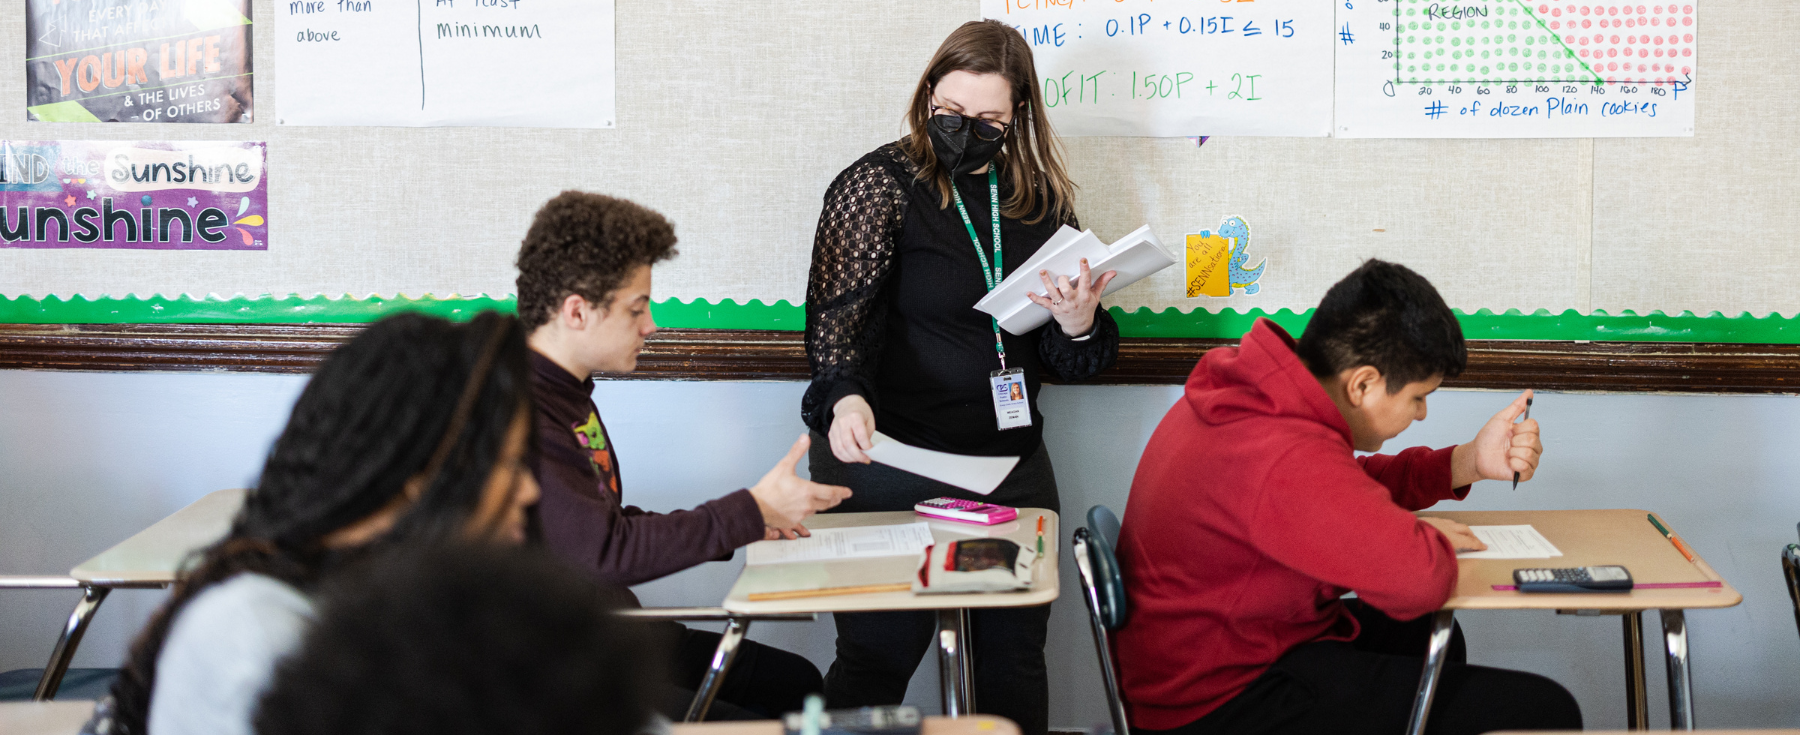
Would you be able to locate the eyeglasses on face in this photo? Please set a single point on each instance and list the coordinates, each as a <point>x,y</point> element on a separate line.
<point>984,129</point>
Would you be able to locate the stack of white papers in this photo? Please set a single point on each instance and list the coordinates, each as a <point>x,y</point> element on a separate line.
<point>979,475</point>
<point>1134,256</point>
<point>832,544</point>
<point>1511,542</point>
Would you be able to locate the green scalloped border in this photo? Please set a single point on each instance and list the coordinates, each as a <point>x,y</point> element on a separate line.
<point>781,315</point>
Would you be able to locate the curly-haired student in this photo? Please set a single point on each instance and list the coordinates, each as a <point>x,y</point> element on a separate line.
<point>584,291</point>
<point>416,430</point>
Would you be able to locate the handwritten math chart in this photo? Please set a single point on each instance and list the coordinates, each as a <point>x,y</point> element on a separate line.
<point>1515,69</point>
<point>446,62</point>
<point>1168,68</point>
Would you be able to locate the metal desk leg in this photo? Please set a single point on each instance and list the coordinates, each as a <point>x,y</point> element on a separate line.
<point>1637,702</point>
<point>91,597</point>
<point>1434,665</point>
<point>1681,683</point>
<point>715,673</point>
<point>953,663</point>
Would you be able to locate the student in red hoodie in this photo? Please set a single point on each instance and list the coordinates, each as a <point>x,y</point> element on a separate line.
<point>1251,516</point>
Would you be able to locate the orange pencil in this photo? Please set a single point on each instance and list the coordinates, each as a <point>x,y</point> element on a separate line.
<point>1040,537</point>
<point>1680,545</point>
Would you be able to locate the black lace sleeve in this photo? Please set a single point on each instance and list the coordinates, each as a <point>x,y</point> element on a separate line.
<point>1071,361</point>
<point>853,253</point>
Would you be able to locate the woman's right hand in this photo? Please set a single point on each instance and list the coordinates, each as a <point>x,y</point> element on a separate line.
<point>852,429</point>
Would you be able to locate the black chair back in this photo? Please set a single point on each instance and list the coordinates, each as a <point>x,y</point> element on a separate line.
<point>1103,588</point>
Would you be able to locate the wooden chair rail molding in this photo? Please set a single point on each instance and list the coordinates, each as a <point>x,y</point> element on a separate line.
<point>701,354</point>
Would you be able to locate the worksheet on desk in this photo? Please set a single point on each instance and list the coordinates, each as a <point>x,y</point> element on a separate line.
<point>1511,542</point>
<point>832,544</point>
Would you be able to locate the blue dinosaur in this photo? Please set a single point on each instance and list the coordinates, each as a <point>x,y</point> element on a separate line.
<point>1239,277</point>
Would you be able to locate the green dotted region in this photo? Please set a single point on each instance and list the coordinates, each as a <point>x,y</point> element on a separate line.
<point>1480,42</point>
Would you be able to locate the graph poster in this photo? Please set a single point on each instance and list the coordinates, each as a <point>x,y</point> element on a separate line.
<point>1515,69</point>
<point>518,63</point>
<point>176,195</point>
<point>138,61</point>
<point>1173,68</point>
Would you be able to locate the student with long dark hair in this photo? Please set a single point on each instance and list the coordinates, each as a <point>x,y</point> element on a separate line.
<point>910,237</point>
<point>415,430</point>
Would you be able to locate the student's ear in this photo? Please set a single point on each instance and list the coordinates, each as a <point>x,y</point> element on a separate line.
<point>1360,381</point>
<point>574,312</point>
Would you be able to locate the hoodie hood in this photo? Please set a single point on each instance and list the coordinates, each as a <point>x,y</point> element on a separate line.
<point>1260,377</point>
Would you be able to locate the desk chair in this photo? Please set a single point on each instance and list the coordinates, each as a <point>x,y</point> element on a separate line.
<point>736,625</point>
<point>1790,568</point>
<point>1104,589</point>
<point>92,594</point>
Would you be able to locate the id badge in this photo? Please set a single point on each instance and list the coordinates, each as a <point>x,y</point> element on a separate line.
<point>1012,407</point>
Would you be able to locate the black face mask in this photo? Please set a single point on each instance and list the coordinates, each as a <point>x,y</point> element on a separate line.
<point>960,152</point>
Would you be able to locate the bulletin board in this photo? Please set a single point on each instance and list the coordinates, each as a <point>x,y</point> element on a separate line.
<point>732,122</point>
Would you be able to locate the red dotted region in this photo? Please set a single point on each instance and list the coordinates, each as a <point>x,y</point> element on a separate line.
<point>1626,43</point>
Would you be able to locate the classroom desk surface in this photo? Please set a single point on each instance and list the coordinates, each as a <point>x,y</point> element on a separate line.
<point>895,569</point>
<point>155,554</point>
<point>46,718</point>
<point>972,725</point>
<point>1587,538</point>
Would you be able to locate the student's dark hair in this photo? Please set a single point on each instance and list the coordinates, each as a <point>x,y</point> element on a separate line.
<point>585,244</point>
<point>412,399</point>
<point>462,641</point>
<point>1386,316</point>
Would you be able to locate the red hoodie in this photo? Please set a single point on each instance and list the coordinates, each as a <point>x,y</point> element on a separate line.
<point>1249,517</point>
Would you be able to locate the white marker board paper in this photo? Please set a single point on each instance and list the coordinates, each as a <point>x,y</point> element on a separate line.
<point>516,63</point>
<point>1169,69</point>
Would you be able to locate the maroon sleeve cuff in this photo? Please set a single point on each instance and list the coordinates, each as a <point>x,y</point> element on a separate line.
<point>741,519</point>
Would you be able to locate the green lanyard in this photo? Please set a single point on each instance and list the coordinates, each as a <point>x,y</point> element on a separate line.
<point>992,274</point>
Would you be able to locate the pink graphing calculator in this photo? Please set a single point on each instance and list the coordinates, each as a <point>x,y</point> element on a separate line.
<point>967,511</point>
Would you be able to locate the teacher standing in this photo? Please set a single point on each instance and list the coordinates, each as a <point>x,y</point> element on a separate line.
<point>911,236</point>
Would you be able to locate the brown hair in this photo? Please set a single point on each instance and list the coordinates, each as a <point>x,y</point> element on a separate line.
<point>585,244</point>
<point>1031,158</point>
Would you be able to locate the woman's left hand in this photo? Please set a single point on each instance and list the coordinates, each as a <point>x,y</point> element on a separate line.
<point>1073,304</point>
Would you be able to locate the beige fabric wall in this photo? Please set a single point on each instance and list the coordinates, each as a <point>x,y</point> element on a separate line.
<point>734,118</point>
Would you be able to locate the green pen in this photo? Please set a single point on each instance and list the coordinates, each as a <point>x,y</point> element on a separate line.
<point>1040,537</point>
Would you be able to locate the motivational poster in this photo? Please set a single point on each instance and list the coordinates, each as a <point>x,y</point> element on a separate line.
<point>165,195</point>
<point>182,61</point>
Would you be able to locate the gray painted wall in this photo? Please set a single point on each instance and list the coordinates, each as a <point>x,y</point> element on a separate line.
<point>88,459</point>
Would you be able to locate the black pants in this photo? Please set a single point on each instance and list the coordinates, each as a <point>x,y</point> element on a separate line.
<point>878,652</point>
<point>1367,686</point>
<point>764,682</point>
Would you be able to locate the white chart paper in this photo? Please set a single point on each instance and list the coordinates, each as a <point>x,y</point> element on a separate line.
<point>520,63</point>
<point>831,544</point>
<point>1179,67</point>
<point>1511,542</point>
<point>979,475</point>
<point>1515,68</point>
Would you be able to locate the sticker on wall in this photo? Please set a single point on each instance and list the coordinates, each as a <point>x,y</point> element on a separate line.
<point>180,61</point>
<point>1216,261</point>
<point>173,195</point>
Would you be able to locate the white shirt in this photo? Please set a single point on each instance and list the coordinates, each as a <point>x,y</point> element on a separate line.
<point>221,652</point>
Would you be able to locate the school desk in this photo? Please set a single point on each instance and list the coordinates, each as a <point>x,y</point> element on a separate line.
<point>1589,538</point>
<point>149,559</point>
<point>955,665</point>
<point>44,718</point>
<point>971,725</point>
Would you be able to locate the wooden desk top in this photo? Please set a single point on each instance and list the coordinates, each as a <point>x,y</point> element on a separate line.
<point>155,554</point>
<point>1587,538</point>
<point>972,725</point>
<point>896,569</point>
<point>49,718</point>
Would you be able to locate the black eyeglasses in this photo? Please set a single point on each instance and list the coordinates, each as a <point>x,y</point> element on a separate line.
<point>983,128</point>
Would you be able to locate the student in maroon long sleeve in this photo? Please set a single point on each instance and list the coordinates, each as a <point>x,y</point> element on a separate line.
<point>584,291</point>
<point>1251,516</point>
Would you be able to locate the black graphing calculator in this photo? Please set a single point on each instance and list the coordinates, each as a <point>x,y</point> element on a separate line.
<point>1573,579</point>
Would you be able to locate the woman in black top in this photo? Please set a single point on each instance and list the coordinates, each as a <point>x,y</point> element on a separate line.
<point>894,340</point>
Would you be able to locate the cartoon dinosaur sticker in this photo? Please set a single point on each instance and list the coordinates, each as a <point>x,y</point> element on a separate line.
<point>1216,261</point>
<point>591,436</point>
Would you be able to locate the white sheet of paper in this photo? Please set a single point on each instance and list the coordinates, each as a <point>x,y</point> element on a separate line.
<point>445,63</point>
<point>979,475</point>
<point>828,544</point>
<point>1511,542</point>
